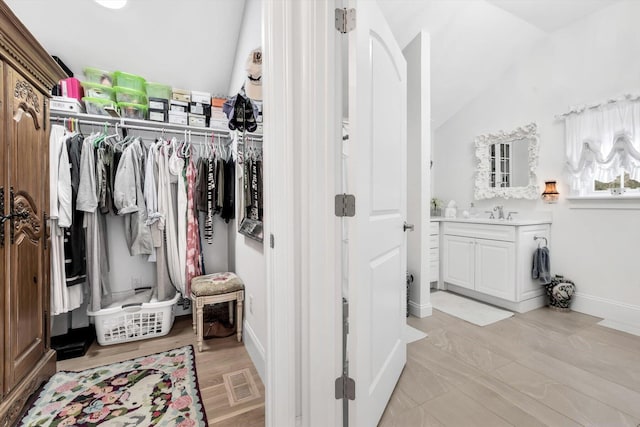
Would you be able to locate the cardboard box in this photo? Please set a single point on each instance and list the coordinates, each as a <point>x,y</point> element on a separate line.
<point>158,115</point>
<point>200,97</point>
<point>198,120</point>
<point>158,104</point>
<point>199,108</point>
<point>178,118</point>
<point>180,106</point>
<point>61,103</point>
<point>181,95</point>
<point>218,102</point>
<point>218,115</point>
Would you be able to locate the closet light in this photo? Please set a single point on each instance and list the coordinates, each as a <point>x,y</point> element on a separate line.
<point>112,4</point>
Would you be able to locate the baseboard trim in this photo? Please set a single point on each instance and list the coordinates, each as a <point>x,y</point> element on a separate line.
<point>620,326</point>
<point>518,307</point>
<point>420,310</point>
<point>256,351</point>
<point>615,311</point>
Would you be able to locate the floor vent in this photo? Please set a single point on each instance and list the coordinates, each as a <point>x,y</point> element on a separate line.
<point>240,387</point>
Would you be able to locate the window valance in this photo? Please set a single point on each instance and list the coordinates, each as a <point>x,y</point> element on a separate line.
<point>602,140</point>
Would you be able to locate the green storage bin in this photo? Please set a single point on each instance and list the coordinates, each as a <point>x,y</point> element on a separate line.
<point>95,75</point>
<point>132,96</point>
<point>129,110</point>
<point>97,105</point>
<point>130,81</point>
<point>96,90</point>
<point>158,90</point>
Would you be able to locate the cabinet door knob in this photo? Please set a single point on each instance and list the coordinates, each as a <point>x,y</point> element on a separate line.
<point>407,226</point>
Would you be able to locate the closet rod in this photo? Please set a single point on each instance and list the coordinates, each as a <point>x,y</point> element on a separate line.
<point>215,132</point>
<point>249,137</point>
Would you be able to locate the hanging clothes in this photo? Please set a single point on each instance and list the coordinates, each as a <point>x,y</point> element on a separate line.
<point>201,184</point>
<point>193,238</point>
<point>63,298</point>
<point>228,199</point>
<point>74,238</point>
<point>104,157</point>
<point>177,169</point>
<point>175,268</point>
<point>96,229</point>
<point>129,199</point>
<point>211,188</point>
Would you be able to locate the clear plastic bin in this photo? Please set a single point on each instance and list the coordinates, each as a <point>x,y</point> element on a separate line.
<point>130,81</point>
<point>97,105</point>
<point>96,90</point>
<point>132,111</point>
<point>132,96</point>
<point>95,75</point>
<point>158,90</point>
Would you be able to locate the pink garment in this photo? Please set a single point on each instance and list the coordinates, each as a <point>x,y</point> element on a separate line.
<point>193,231</point>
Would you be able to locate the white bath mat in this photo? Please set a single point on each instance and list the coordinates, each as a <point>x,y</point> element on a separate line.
<point>467,309</point>
<point>412,334</point>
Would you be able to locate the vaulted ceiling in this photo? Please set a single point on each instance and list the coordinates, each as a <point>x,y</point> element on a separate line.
<point>473,42</point>
<point>192,43</point>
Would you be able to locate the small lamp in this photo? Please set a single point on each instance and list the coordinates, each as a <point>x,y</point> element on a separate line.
<point>550,194</point>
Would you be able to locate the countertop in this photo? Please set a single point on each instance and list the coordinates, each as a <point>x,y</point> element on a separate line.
<point>514,222</point>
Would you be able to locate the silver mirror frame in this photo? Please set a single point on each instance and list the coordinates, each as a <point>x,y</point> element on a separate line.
<point>483,142</point>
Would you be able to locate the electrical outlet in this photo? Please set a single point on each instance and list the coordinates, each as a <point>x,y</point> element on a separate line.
<point>251,304</point>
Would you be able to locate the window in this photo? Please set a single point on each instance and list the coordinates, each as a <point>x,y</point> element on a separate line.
<point>622,181</point>
<point>603,149</point>
<point>500,159</point>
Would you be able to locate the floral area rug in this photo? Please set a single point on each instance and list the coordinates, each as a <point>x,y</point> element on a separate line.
<point>156,390</point>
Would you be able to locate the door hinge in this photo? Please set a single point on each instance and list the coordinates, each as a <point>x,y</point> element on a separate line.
<point>271,241</point>
<point>345,20</point>
<point>345,205</point>
<point>345,388</point>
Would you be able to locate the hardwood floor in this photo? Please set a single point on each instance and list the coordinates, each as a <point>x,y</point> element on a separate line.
<point>219,356</point>
<point>538,368</point>
<point>534,369</point>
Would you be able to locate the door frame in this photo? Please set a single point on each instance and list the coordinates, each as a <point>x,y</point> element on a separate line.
<point>301,131</point>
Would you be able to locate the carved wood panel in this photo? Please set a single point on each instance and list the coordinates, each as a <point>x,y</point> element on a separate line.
<point>27,163</point>
<point>27,73</point>
<point>3,185</point>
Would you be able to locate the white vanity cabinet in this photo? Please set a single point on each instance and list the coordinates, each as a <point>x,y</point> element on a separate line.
<point>434,251</point>
<point>492,262</point>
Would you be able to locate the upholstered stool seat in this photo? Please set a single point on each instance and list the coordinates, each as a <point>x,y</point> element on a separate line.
<point>212,289</point>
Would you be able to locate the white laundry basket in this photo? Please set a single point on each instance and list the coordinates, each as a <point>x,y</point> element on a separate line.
<point>133,322</point>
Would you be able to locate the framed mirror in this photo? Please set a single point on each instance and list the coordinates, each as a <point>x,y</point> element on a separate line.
<point>507,163</point>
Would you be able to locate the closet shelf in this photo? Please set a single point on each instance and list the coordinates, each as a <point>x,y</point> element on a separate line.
<point>92,119</point>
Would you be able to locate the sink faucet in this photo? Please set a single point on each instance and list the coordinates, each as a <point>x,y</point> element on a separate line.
<point>500,210</point>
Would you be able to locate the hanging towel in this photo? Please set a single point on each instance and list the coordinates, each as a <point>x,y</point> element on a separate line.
<point>541,266</point>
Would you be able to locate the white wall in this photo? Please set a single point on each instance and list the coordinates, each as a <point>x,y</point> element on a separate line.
<point>246,255</point>
<point>589,61</point>
<point>250,38</point>
<point>188,44</point>
<point>418,174</point>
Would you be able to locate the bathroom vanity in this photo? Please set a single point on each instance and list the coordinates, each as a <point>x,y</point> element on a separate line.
<point>491,260</point>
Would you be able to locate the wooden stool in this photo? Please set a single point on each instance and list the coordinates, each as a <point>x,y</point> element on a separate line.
<point>215,288</point>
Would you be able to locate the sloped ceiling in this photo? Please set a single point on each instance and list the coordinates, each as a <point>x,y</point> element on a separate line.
<point>189,44</point>
<point>473,42</point>
<point>192,43</point>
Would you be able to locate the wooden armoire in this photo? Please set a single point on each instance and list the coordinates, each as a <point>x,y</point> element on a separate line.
<point>27,74</point>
